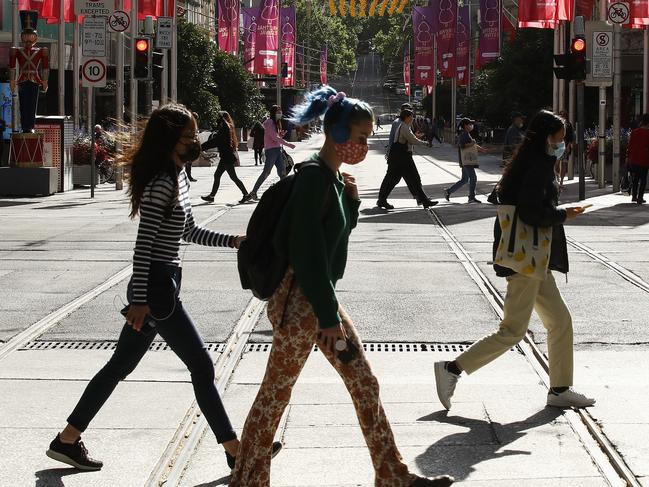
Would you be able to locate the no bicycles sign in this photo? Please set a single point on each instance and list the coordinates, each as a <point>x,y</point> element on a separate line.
<point>119,21</point>
<point>619,12</point>
<point>93,73</point>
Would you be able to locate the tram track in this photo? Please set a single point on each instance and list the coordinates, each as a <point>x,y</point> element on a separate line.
<point>602,452</point>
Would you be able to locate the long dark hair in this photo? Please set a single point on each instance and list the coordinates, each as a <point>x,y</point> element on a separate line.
<point>152,153</point>
<point>535,144</point>
<point>273,111</point>
<point>229,123</point>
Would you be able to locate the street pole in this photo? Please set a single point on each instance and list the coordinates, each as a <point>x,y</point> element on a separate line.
<point>164,75</point>
<point>580,140</point>
<point>14,43</point>
<point>555,81</point>
<point>645,70</point>
<point>601,130</point>
<point>279,54</point>
<point>61,48</point>
<point>434,83</point>
<point>133,81</point>
<point>76,88</point>
<point>91,115</point>
<point>174,55</point>
<point>148,83</point>
<point>119,74</point>
<point>562,82</point>
<point>572,106</point>
<point>454,104</point>
<point>306,50</point>
<point>617,95</point>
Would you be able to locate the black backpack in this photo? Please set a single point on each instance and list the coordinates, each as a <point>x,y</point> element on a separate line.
<point>261,269</point>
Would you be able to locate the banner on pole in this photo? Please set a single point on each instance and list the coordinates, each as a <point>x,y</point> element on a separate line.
<point>490,20</point>
<point>639,18</point>
<point>445,13</point>
<point>424,45</point>
<point>228,26</point>
<point>544,15</point>
<point>323,65</point>
<point>249,31</point>
<point>406,69</point>
<point>266,38</point>
<point>463,40</point>
<point>289,36</point>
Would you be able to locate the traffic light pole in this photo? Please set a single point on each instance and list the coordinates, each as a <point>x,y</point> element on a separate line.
<point>601,125</point>
<point>581,160</point>
<point>279,54</point>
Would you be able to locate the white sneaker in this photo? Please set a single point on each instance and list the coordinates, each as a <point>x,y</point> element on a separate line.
<point>569,399</point>
<point>446,382</point>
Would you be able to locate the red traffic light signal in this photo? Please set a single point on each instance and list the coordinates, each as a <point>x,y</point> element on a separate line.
<point>142,45</point>
<point>578,45</point>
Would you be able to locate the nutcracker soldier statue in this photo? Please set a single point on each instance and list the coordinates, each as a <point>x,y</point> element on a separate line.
<point>33,66</point>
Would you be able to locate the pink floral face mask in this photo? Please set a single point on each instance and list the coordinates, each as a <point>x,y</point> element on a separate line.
<point>351,152</point>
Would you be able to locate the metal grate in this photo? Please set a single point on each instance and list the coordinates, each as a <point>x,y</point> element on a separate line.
<point>385,347</point>
<point>156,346</point>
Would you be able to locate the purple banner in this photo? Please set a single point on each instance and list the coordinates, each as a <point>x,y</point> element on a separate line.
<point>445,12</point>
<point>228,26</point>
<point>249,30</point>
<point>463,40</point>
<point>423,25</point>
<point>266,38</point>
<point>289,36</point>
<point>489,31</point>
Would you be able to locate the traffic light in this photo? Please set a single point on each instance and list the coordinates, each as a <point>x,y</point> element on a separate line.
<point>572,66</point>
<point>142,58</point>
<point>578,53</point>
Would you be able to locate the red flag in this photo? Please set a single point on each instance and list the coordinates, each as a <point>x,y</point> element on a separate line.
<point>584,8</point>
<point>508,29</point>
<point>639,18</point>
<point>477,65</point>
<point>544,15</point>
<point>31,5</point>
<point>228,26</point>
<point>266,38</point>
<point>52,8</point>
<point>289,36</point>
<point>154,8</point>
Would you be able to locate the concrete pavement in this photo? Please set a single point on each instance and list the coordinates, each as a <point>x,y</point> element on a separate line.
<point>403,286</point>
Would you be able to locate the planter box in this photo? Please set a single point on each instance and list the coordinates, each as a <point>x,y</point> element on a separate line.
<point>81,175</point>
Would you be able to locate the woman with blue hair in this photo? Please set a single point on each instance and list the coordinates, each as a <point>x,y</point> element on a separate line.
<point>313,233</point>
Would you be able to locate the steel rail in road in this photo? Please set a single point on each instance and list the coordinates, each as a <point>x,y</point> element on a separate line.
<point>175,459</point>
<point>52,319</point>
<point>608,460</point>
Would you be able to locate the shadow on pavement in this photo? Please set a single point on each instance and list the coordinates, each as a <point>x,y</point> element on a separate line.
<point>53,477</point>
<point>457,454</point>
<point>222,481</point>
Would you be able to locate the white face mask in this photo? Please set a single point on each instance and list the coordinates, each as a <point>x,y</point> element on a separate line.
<point>557,149</point>
<point>278,116</point>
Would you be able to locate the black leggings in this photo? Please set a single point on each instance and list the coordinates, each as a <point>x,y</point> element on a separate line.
<point>639,175</point>
<point>259,155</point>
<point>404,167</point>
<point>179,331</point>
<point>229,168</point>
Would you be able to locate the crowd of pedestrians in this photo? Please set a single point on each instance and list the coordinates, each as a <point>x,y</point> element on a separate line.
<point>312,235</point>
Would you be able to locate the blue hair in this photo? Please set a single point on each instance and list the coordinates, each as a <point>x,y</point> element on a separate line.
<point>338,118</point>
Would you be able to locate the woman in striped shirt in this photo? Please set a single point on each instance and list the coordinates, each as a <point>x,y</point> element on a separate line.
<point>159,195</point>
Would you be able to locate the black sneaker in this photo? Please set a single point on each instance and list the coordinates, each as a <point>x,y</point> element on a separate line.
<point>439,481</point>
<point>277,446</point>
<point>384,204</point>
<point>74,454</point>
<point>209,198</point>
<point>447,194</point>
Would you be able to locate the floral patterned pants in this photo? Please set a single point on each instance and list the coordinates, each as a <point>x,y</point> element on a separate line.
<point>295,330</point>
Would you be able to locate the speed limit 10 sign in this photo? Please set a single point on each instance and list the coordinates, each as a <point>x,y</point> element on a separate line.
<point>93,73</point>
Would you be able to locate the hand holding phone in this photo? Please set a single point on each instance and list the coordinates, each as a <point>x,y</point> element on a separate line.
<point>148,324</point>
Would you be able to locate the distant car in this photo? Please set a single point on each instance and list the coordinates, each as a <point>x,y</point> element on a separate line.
<point>400,91</point>
<point>389,86</point>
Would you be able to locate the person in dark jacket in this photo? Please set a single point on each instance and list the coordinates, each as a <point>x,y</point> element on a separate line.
<point>638,159</point>
<point>513,136</point>
<point>529,183</point>
<point>257,133</point>
<point>225,139</point>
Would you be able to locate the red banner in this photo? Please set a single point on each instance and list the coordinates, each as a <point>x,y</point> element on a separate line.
<point>508,29</point>
<point>228,26</point>
<point>51,11</point>
<point>490,29</point>
<point>639,17</point>
<point>266,38</point>
<point>249,29</point>
<point>406,69</point>
<point>544,14</point>
<point>584,8</point>
<point>445,14</point>
<point>323,65</point>
<point>463,42</point>
<point>289,36</point>
<point>424,41</point>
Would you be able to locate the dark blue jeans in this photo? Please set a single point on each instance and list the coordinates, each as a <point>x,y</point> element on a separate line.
<point>468,175</point>
<point>273,158</point>
<point>180,333</point>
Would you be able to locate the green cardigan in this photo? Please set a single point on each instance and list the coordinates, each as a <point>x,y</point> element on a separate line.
<point>313,233</point>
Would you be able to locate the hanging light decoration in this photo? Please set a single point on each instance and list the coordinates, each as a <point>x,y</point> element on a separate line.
<point>402,6</point>
<point>342,5</point>
<point>362,8</point>
<point>352,8</point>
<point>384,5</point>
<point>332,7</point>
<point>393,6</point>
<point>373,7</point>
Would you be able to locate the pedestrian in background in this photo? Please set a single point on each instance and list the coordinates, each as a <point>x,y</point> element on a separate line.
<point>314,234</point>
<point>257,134</point>
<point>226,141</point>
<point>513,137</point>
<point>528,183</point>
<point>441,124</point>
<point>401,164</point>
<point>378,123</point>
<point>569,140</point>
<point>468,150</point>
<point>638,159</point>
<point>159,195</point>
<point>273,142</point>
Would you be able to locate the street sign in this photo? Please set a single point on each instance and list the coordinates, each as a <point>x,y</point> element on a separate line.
<point>163,39</point>
<point>93,73</point>
<point>94,7</point>
<point>599,51</point>
<point>619,12</point>
<point>93,40</point>
<point>119,21</point>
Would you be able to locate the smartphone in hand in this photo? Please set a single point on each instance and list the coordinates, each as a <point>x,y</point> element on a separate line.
<point>149,324</point>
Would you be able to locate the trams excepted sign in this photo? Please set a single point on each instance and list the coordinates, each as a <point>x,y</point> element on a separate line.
<point>93,73</point>
<point>93,38</point>
<point>91,7</point>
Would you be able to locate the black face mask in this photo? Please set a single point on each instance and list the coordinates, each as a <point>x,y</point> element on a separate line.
<point>192,153</point>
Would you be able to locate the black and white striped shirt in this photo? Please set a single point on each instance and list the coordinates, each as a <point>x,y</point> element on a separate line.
<point>160,231</point>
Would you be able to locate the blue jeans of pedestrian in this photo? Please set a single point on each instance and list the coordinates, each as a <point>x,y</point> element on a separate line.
<point>468,176</point>
<point>273,158</point>
<point>174,324</point>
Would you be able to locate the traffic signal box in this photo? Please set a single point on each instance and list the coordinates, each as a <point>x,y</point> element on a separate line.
<point>142,58</point>
<point>572,66</point>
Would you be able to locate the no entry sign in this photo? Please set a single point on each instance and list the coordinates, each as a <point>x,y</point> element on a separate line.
<point>93,73</point>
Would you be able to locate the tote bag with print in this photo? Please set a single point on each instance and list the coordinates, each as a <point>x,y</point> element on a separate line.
<point>469,156</point>
<point>523,248</point>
